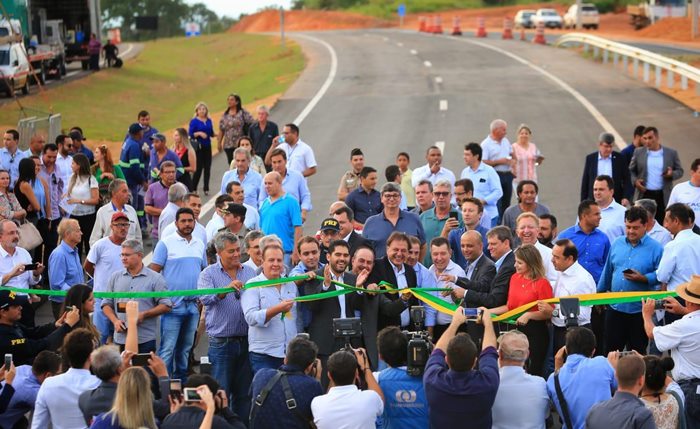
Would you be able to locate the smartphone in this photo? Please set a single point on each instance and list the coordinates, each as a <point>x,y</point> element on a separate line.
<point>176,388</point>
<point>191,395</point>
<point>626,353</point>
<point>31,267</point>
<point>121,307</point>
<point>140,359</point>
<point>453,215</point>
<point>474,314</point>
<point>8,361</point>
<point>628,271</point>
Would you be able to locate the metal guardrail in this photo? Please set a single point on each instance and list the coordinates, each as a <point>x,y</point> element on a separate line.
<point>622,53</point>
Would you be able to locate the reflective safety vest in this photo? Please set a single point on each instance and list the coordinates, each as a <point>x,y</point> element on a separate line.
<point>405,405</point>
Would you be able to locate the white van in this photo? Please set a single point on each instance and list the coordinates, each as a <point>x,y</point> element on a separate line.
<point>589,16</point>
<point>14,69</point>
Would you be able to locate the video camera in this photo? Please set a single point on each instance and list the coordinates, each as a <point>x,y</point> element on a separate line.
<point>570,308</point>
<point>419,345</point>
<point>347,329</point>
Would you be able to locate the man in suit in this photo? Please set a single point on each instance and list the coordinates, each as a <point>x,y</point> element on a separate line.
<point>372,305</point>
<point>653,169</point>
<point>346,218</point>
<point>607,162</point>
<point>325,310</point>
<point>393,270</point>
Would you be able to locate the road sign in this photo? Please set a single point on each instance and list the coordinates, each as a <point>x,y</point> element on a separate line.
<point>192,29</point>
<point>402,10</point>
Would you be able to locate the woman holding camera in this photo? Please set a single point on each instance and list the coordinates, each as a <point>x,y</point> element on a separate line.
<point>527,285</point>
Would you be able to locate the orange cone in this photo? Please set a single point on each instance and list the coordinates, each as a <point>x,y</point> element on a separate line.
<point>507,29</point>
<point>481,27</point>
<point>456,30</point>
<point>421,24</point>
<point>539,34</point>
<point>438,25</point>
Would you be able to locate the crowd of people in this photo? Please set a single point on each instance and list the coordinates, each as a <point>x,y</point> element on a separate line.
<point>273,357</point>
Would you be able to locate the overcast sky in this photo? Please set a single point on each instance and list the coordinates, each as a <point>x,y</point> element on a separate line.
<point>233,8</point>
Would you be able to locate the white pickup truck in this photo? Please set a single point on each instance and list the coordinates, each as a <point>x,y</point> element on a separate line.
<point>550,18</point>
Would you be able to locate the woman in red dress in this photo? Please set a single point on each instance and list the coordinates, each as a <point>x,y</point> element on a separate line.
<point>529,284</point>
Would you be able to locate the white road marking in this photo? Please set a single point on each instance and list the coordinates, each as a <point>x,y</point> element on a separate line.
<point>209,205</point>
<point>604,123</point>
<point>122,54</point>
<point>443,105</point>
<point>438,80</point>
<point>399,44</point>
<point>427,63</point>
<point>441,146</point>
<point>414,52</point>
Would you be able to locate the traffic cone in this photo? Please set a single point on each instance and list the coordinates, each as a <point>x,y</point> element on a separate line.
<point>456,30</point>
<point>429,24</point>
<point>421,24</point>
<point>438,25</point>
<point>481,27</point>
<point>539,34</point>
<point>507,29</point>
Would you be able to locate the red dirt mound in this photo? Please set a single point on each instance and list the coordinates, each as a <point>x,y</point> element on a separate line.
<point>306,20</point>
<point>669,28</point>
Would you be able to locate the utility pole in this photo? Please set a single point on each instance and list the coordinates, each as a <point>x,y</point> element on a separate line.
<point>578,14</point>
<point>695,10</point>
<point>282,25</point>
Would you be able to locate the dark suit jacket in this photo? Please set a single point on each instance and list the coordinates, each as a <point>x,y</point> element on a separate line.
<point>373,307</point>
<point>621,176</point>
<point>638,169</point>
<point>497,294</point>
<point>325,310</point>
<point>483,275</point>
<point>383,271</point>
<point>356,240</point>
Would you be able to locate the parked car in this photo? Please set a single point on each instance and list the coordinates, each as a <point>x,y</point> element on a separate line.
<point>549,17</point>
<point>523,19</point>
<point>589,16</point>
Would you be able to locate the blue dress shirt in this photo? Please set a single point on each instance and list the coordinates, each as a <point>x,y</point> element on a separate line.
<point>644,257</point>
<point>252,184</point>
<point>592,248</point>
<point>364,204</point>
<point>65,269</point>
<point>10,162</point>
<point>378,228</point>
<point>26,388</point>
<point>487,187</point>
<point>521,402</point>
<point>224,317</point>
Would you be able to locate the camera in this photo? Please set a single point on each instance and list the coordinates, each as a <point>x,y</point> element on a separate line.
<point>570,308</point>
<point>347,329</point>
<point>419,345</point>
<point>659,304</point>
<point>191,395</point>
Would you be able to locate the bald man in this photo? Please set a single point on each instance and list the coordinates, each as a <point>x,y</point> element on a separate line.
<point>280,214</point>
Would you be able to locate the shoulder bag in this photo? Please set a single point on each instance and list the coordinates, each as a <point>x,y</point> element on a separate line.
<point>562,402</point>
<point>29,236</point>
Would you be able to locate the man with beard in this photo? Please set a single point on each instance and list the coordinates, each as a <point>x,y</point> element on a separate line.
<point>548,230</point>
<point>309,254</point>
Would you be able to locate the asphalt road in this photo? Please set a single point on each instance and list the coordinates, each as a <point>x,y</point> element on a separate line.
<point>404,91</point>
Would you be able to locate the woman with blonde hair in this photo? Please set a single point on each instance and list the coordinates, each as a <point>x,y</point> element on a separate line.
<point>105,171</point>
<point>202,130</point>
<point>133,403</point>
<point>183,149</point>
<point>256,163</point>
<point>233,125</point>
<point>527,285</point>
<point>526,156</point>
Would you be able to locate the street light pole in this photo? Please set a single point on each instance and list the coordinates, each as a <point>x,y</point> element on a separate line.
<point>282,25</point>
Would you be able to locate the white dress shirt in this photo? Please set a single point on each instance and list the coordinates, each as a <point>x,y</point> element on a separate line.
<point>521,401</point>
<point>341,298</point>
<point>346,407</point>
<point>402,283</point>
<point>546,253</point>
<point>300,157</point>
<point>424,172</point>
<point>682,338</point>
<point>680,260</point>
<point>9,262</point>
<point>454,270</point>
<point>64,165</point>
<point>575,280</point>
<point>612,220</point>
<point>57,400</point>
<point>660,234</point>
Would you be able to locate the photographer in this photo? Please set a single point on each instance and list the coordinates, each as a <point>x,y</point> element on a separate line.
<point>398,386</point>
<point>453,387</point>
<point>297,379</point>
<point>682,339</point>
<point>191,414</point>
<point>344,402</point>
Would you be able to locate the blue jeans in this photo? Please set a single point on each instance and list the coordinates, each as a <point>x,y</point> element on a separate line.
<point>102,323</point>
<point>177,330</point>
<point>259,361</point>
<point>230,366</point>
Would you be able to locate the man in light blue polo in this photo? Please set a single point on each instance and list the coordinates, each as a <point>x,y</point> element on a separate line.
<point>250,180</point>
<point>180,258</point>
<point>280,214</point>
<point>487,185</point>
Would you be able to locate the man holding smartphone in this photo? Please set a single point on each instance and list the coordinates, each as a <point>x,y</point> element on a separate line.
<point>17,268</point>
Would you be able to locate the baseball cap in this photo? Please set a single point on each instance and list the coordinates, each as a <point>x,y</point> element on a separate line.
<point>606,138</point>
<point>119,215</point>
<point>9,298</point>
<point>135,128</point>
<point>235,209</point>
<point>330,224</point>
<point>158,136</point>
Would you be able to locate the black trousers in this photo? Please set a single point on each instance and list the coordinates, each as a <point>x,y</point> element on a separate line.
<point>658,197</point>
<point>507,187</point>
<point>625,330</point>
<point>229,154</point>
<point>49,232</point>
<point>203,165</point>
<point>598,328</point>
<point>87,223</point>
<point>538,336</point>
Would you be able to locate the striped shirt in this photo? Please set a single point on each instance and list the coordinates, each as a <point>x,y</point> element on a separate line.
<point>224,317</point>
<point>182,261</point>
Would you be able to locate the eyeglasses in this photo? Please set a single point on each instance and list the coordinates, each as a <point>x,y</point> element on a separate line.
<point>126,255</point>
<point>121,225</point>
<point>441,194</point>
<point>391,196</point>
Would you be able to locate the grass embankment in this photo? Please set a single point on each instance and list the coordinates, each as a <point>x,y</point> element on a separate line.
<point>168,78</point>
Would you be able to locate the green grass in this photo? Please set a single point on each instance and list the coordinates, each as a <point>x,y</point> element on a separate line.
<point>168,78</point>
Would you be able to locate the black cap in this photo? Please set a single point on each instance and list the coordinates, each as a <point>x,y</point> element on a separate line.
<point>330,224</point>
<point>606,138</point>
<point>9,298</point>
<point>135,128</point>
<point>235,209</point>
